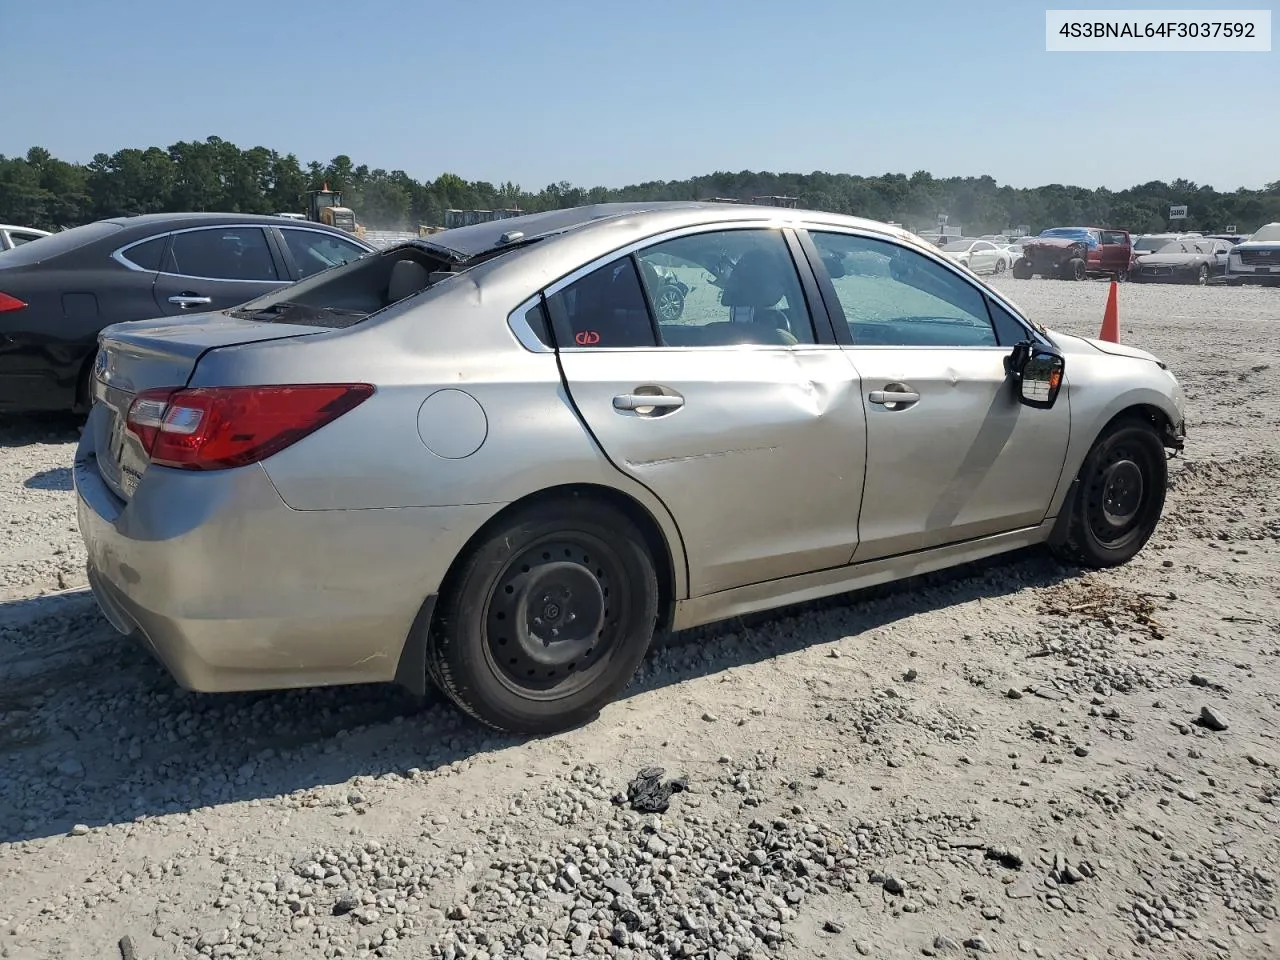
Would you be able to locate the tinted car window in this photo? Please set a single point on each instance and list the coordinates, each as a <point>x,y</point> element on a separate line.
<point>893,296</point>
<point>19,239</point>
<point>726,288</point>
<point>314,250</point>
<point>222,253</point>
<point>147,254</point>
<point>61,242</point>
<point>1008,330</point>
<point>606,308</point>
<point>1112,236</point>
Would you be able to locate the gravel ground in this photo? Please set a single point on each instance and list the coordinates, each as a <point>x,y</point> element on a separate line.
<point>1014,758</point>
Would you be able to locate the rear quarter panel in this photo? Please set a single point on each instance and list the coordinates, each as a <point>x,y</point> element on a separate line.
<point>454,337</point>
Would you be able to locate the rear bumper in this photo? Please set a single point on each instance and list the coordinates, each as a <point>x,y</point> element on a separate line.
<point>233,590</point>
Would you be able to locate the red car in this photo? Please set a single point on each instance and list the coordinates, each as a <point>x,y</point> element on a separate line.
<point>1076,253</point>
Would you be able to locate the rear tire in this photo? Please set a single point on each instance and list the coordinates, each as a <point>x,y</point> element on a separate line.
<point>1118,497</point>
<point>547,619</point>
<point>999,267</point>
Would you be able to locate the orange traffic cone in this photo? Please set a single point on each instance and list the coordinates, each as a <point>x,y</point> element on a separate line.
<point>1111,318</point>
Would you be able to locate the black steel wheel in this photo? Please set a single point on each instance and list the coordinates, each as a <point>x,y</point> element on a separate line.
<point>1119,496</point>
<point>547,618</point>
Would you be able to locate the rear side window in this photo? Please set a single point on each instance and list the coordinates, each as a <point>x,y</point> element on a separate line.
<point>146,254</point>
<point>222,253</point>
<point>604,309</point>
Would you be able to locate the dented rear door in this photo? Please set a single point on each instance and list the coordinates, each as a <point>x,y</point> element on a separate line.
<point>759,458</point>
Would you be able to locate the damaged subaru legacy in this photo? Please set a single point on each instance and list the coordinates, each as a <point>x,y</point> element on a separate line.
<point>492,459</point>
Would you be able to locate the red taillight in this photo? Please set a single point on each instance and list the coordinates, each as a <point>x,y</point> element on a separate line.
<point>213,428</point>
<point>8,303</point>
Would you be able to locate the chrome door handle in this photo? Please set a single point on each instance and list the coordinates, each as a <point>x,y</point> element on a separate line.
<point>893,396</point>
<point>187,301</point>
<point>632,401</point>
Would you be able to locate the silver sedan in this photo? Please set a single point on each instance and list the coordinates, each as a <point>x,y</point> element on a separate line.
<point>499,458</point>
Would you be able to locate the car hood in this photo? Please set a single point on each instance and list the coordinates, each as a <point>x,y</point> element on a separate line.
<point>1069,344</point>
<point>1256,245</point>
<point>1059,242</point>
<point>1169,259</point>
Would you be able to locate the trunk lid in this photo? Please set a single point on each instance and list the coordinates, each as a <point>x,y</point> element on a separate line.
<point>145,354</point>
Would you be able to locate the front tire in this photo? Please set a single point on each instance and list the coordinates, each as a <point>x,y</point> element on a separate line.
<point>1022,269</point>
<point>1202,276</point>
<point>547,619</point>
<point>1074,269</point>
<point>1118,497</point>
<point>670,303</point>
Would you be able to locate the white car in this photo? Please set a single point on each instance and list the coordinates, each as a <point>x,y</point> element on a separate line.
<point>11,237</point>
<point>1256,260</point>
<point>980,256</point>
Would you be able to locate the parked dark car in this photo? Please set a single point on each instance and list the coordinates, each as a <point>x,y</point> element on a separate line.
<point>1183,261</point>
<point>1076,253</point>
<point>56,295</point>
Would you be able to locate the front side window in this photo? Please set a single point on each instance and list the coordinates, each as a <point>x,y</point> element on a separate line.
<point>726,288</point>
<point>314,250</point>
<point>1112,236</point>
<point>894,297</point>
<point>222,253</point>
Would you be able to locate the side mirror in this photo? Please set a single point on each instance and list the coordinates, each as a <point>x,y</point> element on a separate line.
<point>1037,372</point>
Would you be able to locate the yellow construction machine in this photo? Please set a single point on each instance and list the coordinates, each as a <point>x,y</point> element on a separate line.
<point>325,206</point>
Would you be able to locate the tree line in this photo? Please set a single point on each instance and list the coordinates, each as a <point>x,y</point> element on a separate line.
<point>43,191</point>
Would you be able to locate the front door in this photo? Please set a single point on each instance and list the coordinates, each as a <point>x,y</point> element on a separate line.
<point>951,453</point>
<point>982,258</point>
<point>725,404</point>
<point>1116,251</point>
<point>214,268</point>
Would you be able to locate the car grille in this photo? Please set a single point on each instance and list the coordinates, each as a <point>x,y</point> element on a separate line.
<point>1260,258</point>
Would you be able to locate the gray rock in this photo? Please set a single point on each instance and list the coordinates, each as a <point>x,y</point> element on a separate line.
<point>833,926</point>
<point>1212,720</point>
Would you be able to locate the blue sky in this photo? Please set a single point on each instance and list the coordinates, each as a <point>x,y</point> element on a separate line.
<point>601,92</point>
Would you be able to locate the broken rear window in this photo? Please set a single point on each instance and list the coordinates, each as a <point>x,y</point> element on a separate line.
<point>343,296</point>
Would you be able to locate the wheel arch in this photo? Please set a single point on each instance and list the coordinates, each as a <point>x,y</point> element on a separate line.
<point>1148,406</point>
<point>668,562</point>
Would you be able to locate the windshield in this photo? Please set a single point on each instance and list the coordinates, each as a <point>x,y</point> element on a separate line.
<point>1178,246</point>
<point>1148,244</point>
<point>957,246</point>
<point>1270,232</point>
<point>1071,233</point>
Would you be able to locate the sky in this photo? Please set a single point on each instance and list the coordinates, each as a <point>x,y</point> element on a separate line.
<point>598,92</point>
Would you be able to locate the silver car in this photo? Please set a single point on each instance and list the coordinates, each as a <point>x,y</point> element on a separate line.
<point>485,459</point>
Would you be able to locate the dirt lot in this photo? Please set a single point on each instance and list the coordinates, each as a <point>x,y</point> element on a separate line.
<point>1006,759</point>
